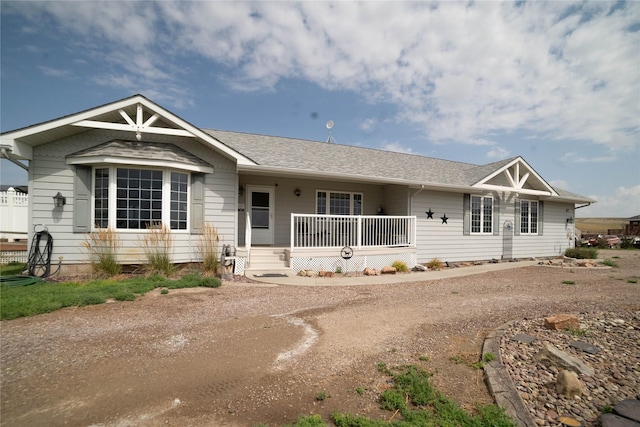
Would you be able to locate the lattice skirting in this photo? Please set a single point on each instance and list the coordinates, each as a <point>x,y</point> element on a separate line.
<point>355,264</point>
<point>10,256</point>
<point>239,267</point>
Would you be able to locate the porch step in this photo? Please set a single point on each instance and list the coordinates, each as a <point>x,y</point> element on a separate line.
<point>267,259</point>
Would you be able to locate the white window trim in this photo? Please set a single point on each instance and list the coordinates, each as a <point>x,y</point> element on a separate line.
<point>351,200</point>
<point>166,197</point>
<point>482,197</point>
<point>529,233</point>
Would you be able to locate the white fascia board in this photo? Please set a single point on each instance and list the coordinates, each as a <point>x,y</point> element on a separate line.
<point>118,105</point>
<point>69,120</point>
<point>506,167</point>
<point>18,150</point>
<point>168,116</point>
<point>500,188</point>
<point>107,160</point>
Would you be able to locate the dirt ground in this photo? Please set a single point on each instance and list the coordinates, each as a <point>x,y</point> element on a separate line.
<point>245,353</point>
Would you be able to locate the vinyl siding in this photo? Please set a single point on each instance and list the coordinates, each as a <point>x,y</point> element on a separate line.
<point>557,235</point>
<point>447,242</point>
<point>49,174</point>
<point>286,202</point>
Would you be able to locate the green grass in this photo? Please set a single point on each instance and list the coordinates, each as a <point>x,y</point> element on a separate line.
<point>609,263</point>
<point>582,253</point>
<point>568,282</point>
<point>413,401</point>
<point>24,301</point>
<point>12,269</point>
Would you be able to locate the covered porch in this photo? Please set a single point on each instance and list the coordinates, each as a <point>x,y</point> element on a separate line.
<point>337,243</point>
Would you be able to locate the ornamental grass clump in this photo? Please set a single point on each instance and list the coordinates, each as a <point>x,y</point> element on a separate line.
<point>208,248</point>
<point>102,247</point>
<point>157,244</point>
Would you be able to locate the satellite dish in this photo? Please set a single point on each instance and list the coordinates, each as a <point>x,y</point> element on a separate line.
<point>329,124</point>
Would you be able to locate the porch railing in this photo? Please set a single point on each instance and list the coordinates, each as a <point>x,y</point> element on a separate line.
<point>357,231</point>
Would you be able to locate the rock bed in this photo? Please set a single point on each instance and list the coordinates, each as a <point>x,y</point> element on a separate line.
<point>616,366</point>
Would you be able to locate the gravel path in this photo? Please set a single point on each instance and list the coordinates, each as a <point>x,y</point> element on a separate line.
<point>245,354</point>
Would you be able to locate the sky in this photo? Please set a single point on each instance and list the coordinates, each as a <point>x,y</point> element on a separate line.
<point>557,83</point>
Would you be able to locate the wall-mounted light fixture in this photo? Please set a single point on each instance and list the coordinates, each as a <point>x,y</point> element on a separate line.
<point>297,192</point>
<point>59,200</point>
<point>240,190</point>
<point>570,220</point>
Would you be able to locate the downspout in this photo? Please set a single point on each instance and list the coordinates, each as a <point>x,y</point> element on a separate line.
<point>5,153</point>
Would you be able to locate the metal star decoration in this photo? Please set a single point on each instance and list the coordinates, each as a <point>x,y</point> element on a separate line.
<point>429,214</point>
<point>444,218</point>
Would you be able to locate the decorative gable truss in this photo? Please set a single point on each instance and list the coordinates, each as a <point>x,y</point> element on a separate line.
<point>516,177</point>
<point>143,123</point>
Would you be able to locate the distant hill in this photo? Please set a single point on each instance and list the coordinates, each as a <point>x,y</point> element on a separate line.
<point>599,225</point>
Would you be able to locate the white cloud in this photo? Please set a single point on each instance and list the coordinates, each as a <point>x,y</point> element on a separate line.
<point>572,157</point>
<point>498,153</point>
<point>55,72</point>
<point>623,203</point>
<point>369,125</point>
<point>463,71</point>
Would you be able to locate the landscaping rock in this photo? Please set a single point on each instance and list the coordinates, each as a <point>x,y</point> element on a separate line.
<point>562,321</point>
<point>628,408</point>
<point>550,355</point>
<point>613,420</point>
<point>568,384</point>
<point>586,347</point>
<point>370,272</point>
<point>388,270</point>
<point>420,267</point>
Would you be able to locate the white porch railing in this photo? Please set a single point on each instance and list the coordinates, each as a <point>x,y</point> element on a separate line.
<point>14,212</point>
<point>356,231</point>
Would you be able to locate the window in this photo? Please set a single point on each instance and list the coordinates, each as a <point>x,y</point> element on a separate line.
<point>481,214</point>
<point>529,214</point>
<point>134,199</point>
<point>335,203</point>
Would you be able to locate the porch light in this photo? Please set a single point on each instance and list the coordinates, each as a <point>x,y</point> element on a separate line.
<point>59,200</point>
<point>570,220</point>
<point>241,190</point>
<point>297,192</point>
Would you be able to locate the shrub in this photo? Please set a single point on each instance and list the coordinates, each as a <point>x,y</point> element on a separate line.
<point>156,244</point>
<point>581,253</point>
<point>435,264</point>
<point>102,249</point>
<point>400,266</point>
<point>609,263</point>
<point>208,248</point>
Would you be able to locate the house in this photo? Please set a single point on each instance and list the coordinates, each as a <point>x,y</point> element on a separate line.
<point>633,228</point>
<point>282,203</point>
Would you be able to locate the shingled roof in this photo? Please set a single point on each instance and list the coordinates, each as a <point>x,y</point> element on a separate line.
<point>332,158</point>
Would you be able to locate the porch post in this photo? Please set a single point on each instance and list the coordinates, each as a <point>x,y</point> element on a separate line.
<point>359,233</point>
<point>247,238</point>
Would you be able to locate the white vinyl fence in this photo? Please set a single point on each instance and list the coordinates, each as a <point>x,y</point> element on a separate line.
<point>14,215</point>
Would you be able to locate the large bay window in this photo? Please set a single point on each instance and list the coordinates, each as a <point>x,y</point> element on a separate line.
<point>135,199</point>
<point>338,203</point>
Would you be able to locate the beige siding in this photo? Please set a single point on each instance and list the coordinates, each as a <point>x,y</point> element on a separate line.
<point>49,174</point>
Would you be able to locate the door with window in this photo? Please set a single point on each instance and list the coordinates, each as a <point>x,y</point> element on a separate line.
<point>260,205</point>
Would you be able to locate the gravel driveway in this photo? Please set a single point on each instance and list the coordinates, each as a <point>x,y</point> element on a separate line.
<point>245,353</point>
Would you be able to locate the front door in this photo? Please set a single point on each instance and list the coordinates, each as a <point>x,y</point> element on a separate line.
<point>260,204</point>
